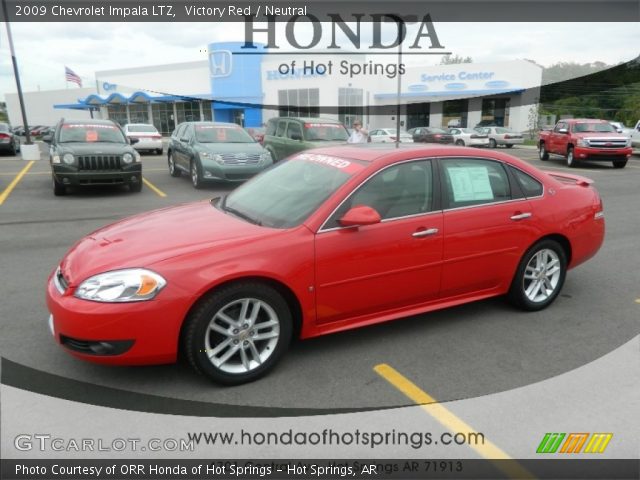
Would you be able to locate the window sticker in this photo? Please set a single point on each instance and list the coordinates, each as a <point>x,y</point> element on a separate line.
<point>91,136</point>
<point>470,184</point>
<point>335,162</point>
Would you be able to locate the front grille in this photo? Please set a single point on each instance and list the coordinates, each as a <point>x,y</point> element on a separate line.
<point>240,158</point>
<point>607,142</point>
<point>237,176</point>
<point>103,163</point>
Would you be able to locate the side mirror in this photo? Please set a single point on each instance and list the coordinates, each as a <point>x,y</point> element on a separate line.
<point>47,138</point>
<point>296,136</point>
<point>563,130</point>
<point>359,216</point>
<point>133,140</point>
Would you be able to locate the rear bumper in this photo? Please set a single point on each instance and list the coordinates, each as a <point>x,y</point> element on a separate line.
<point>603,154</point>
<point>148,144</point>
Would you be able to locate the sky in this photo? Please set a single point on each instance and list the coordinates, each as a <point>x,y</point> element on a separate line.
<point>43,49</point>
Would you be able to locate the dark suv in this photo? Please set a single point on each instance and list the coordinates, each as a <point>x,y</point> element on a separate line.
<point>92,152</point>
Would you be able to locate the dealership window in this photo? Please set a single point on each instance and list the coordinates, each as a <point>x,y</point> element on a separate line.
<point>163,117</point>
<point>139,113</point>
<point>418,115</point>
<point>118,113</point>
<point>188,112</point>
<point>454,113</point>
<point>496,110</point>
<point>207,112</point>
<point>350,105</point>
<point>302,102</point>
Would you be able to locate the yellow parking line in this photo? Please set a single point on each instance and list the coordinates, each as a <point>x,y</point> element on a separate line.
<point>637,300</point>
<point>15,181</point>
<point>159,192</point>
<point>430,405</point>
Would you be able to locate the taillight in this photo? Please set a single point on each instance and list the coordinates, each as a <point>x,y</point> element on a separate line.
<point>4,135</point>
<point>437,135</point>
<point>156,137</point>
<point>507,137</point>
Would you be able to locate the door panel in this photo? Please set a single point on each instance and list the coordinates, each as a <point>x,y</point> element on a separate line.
<point>486,232</point>
<point>393,264</point>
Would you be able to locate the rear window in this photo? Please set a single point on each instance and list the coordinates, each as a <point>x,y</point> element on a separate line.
<point>83,133</point>
<point>325,132</point>
<point>222,134</point>
<point>271,127</point>
<point>142,128</point>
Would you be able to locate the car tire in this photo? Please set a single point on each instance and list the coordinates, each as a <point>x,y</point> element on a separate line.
<point>542,152</point>
<point>543,266</point>
<point>509,145</point>
<point>219,336</point>
<point>135,187</point>
<point>59,189</point>
<point>460,143</point>
<point>173,170</point>
<point>571,160</point>
<point>196,175</point>
<point>158,151</point>
<point>492,143</point>
<point>620,163</point>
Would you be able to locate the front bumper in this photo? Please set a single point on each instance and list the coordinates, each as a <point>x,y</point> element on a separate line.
<point>137,333</point>
<point>231,173</point>
<point>69,175</point>
<point>602,154</point>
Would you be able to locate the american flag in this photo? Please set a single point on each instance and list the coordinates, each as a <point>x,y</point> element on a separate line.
<point>72,76</point>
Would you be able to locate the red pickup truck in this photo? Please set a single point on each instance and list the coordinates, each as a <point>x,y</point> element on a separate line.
<point>585,139</point>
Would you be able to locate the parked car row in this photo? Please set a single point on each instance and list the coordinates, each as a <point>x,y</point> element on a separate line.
<point>9,142</point>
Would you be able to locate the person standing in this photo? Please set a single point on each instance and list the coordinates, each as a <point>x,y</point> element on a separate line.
<point>359,134</point>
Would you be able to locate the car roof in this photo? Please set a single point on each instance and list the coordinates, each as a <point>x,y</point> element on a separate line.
<point>90,121</point>
<point>373,152</point>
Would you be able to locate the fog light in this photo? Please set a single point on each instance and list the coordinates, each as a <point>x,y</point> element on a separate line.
<point>66,181</point>
<point>134,179</point>
<point>101,348</point>
<point>208,174</point>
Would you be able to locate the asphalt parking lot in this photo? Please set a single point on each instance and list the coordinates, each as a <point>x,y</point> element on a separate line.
<point>458,353</point>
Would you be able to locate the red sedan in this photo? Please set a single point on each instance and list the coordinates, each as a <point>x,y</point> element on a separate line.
<point>332,239</point>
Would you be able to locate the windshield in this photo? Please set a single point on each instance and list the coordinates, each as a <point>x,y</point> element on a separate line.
<point>86,132</point>
<point>593,127</point>
<point>142,128</point>
<point>325,132</point>
<point>222,134</point>
<point>286,194</point>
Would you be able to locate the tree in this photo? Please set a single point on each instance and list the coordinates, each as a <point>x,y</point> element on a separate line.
<point>450,60</point>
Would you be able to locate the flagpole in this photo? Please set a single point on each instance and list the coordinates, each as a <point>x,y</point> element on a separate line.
<point>16,73</point>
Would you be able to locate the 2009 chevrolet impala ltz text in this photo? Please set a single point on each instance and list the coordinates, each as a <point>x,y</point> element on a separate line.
<point>328,240</point>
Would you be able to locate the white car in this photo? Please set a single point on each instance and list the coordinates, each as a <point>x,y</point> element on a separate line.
<point>388,135</point>
<point>469,137</point>
<point>149,139</point>
<point>501,136</point>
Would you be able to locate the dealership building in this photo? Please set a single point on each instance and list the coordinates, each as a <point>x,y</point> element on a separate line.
<point>248,89</point>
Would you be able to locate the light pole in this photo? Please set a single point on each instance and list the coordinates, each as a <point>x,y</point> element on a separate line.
<point>401,33</point>
<point>16,73</point>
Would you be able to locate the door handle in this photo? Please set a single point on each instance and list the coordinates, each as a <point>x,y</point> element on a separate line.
<point>425,233</point>
<point>521,216</point>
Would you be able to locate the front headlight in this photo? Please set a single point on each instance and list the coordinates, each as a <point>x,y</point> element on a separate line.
<point>266,157</point>
<point>127,158</point>
<point>67,158</point>
<point>211,156</point>
<point>582,142</point>
<point>133,285</point>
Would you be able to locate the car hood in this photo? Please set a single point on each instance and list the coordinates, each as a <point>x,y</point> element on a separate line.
<point>324,143</point>
<point>96,148</point>
<point>148,238</point>
<point>231,147</point>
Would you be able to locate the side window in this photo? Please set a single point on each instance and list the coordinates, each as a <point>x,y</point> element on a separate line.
<point>188,132</point>
<point>294,130</point>
<point>529,185</point>
<point>560,125</point>
<point>271,127</point>
<point>281,126</point>
<point>474,182</point>
<point>179,130</point>
<point>397,191</point>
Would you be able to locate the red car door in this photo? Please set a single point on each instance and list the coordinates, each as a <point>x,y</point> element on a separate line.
<point>366,270</point>
<point>487,226</point>
<point>558,141</point>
